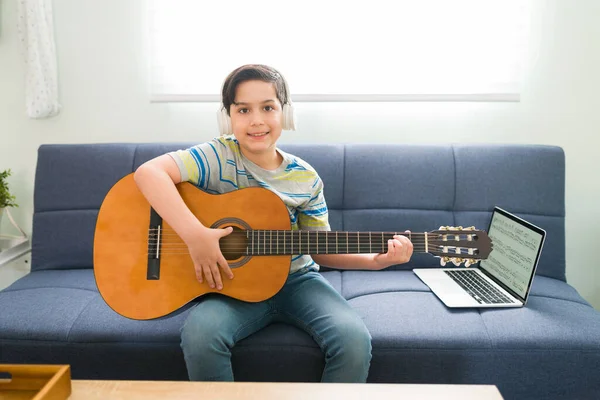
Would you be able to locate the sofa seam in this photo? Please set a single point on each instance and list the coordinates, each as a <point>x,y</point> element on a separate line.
<point>435,209</point>
<point>337,209</point>
<point>487,309</point>
<point>487,331</point>
<point>561,299</point>
<point>389,291</point>
<point>344,186</point>
<point>47,287</point>
<point>66,209</point>
<point>482,349</point>
<point>454,186</point>
<point>287,346</point>
<point>79,316</point>
<point>135,151</point>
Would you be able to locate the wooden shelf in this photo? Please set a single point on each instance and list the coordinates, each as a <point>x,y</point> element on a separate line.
<point>35,382</point>
<point>13,248</point>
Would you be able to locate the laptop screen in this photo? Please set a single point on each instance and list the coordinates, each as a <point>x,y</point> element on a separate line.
<point>517,248</point>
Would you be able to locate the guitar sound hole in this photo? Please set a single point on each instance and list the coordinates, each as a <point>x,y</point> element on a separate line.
<point>233,246</point>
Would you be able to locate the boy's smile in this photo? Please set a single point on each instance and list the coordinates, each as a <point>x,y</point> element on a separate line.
<point>256,115</point>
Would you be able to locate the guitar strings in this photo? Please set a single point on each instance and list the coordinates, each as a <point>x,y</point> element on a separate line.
<point>303,236</point>
<point>295,237</point>
<point>287,231</point>
<point>328,235</point>
<point>281,243</point>
<point>463,252</point>
<point>352,250</point>
<point>269,243</point>
<point>183,252</point>
<point>262,232</point>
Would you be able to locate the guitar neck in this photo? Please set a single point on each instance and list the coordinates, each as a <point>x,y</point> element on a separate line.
<point>278,242</point>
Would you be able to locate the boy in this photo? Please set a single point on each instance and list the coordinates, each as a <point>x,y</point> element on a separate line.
<point>256,107</point>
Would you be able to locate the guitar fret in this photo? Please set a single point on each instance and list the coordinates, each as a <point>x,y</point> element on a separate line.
<point>311,242</point>
<point>354,242</point>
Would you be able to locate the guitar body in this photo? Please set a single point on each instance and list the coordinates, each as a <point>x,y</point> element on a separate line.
<point>121,249</point>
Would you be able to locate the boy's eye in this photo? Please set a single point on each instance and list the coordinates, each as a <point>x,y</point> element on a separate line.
<point>243,110</point>
<point>269,108</point>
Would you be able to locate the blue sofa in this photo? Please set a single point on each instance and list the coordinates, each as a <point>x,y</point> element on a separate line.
<point>549,349</point>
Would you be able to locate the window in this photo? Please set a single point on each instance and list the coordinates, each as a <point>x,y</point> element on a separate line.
<point>333,50</point>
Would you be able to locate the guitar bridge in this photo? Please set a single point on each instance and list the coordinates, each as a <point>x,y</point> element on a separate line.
<point>154,244</point>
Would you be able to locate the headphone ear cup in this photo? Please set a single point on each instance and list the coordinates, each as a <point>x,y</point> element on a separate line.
<point>224,122</point>
<point>288,122</point>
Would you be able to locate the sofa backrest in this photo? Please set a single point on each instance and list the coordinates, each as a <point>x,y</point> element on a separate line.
<point>368,187</point>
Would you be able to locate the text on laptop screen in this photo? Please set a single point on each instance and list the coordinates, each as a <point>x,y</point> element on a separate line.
<point>514,255</point>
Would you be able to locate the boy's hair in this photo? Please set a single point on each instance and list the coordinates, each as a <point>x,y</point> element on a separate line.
<point>252,72</point>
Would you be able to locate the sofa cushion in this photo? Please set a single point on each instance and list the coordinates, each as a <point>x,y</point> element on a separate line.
<point>68,307</point>
<point>45,313</point>
<point>83,316</point>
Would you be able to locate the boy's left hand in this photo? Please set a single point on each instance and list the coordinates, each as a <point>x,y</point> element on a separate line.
<point>400,250</point>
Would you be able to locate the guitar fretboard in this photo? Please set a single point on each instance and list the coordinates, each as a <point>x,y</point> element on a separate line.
<point>274,242</point>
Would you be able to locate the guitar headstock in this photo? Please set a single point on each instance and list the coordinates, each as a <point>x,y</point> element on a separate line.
<point>459,245</point>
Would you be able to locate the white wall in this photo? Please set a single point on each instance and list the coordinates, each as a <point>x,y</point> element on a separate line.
<point>103,87</point>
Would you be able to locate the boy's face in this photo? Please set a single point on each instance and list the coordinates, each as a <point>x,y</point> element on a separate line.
<point>256,115</point>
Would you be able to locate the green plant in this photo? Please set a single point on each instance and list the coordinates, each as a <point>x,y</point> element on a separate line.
<point>6,199</point>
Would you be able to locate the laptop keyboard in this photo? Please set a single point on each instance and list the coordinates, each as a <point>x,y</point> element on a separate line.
<point>478,288</point>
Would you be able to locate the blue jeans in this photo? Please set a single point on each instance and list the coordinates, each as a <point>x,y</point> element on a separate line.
<point>307,300</point>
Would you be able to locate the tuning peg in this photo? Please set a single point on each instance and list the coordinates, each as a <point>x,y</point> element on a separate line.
<point>470,262</point>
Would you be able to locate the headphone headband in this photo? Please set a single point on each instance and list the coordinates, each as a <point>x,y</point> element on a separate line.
<point>288,118</point>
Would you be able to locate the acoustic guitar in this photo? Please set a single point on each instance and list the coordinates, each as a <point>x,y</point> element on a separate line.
<point>143,269</point>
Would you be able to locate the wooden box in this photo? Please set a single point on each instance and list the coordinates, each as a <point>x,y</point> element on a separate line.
<point>35,382</point>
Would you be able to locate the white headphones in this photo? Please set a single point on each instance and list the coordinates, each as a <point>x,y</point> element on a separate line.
<point>288,118</point>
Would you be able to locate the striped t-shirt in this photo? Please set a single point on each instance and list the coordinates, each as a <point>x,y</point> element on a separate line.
<point>218,166</point>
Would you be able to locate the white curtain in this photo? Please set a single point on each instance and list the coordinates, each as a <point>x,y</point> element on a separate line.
<point>36,30</point>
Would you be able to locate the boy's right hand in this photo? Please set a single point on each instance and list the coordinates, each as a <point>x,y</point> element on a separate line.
<point>207,256</point>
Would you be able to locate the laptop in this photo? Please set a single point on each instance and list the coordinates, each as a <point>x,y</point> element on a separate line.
<point>503,279</point>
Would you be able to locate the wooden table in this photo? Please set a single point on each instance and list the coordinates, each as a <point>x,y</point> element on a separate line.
<point>148,390</point>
